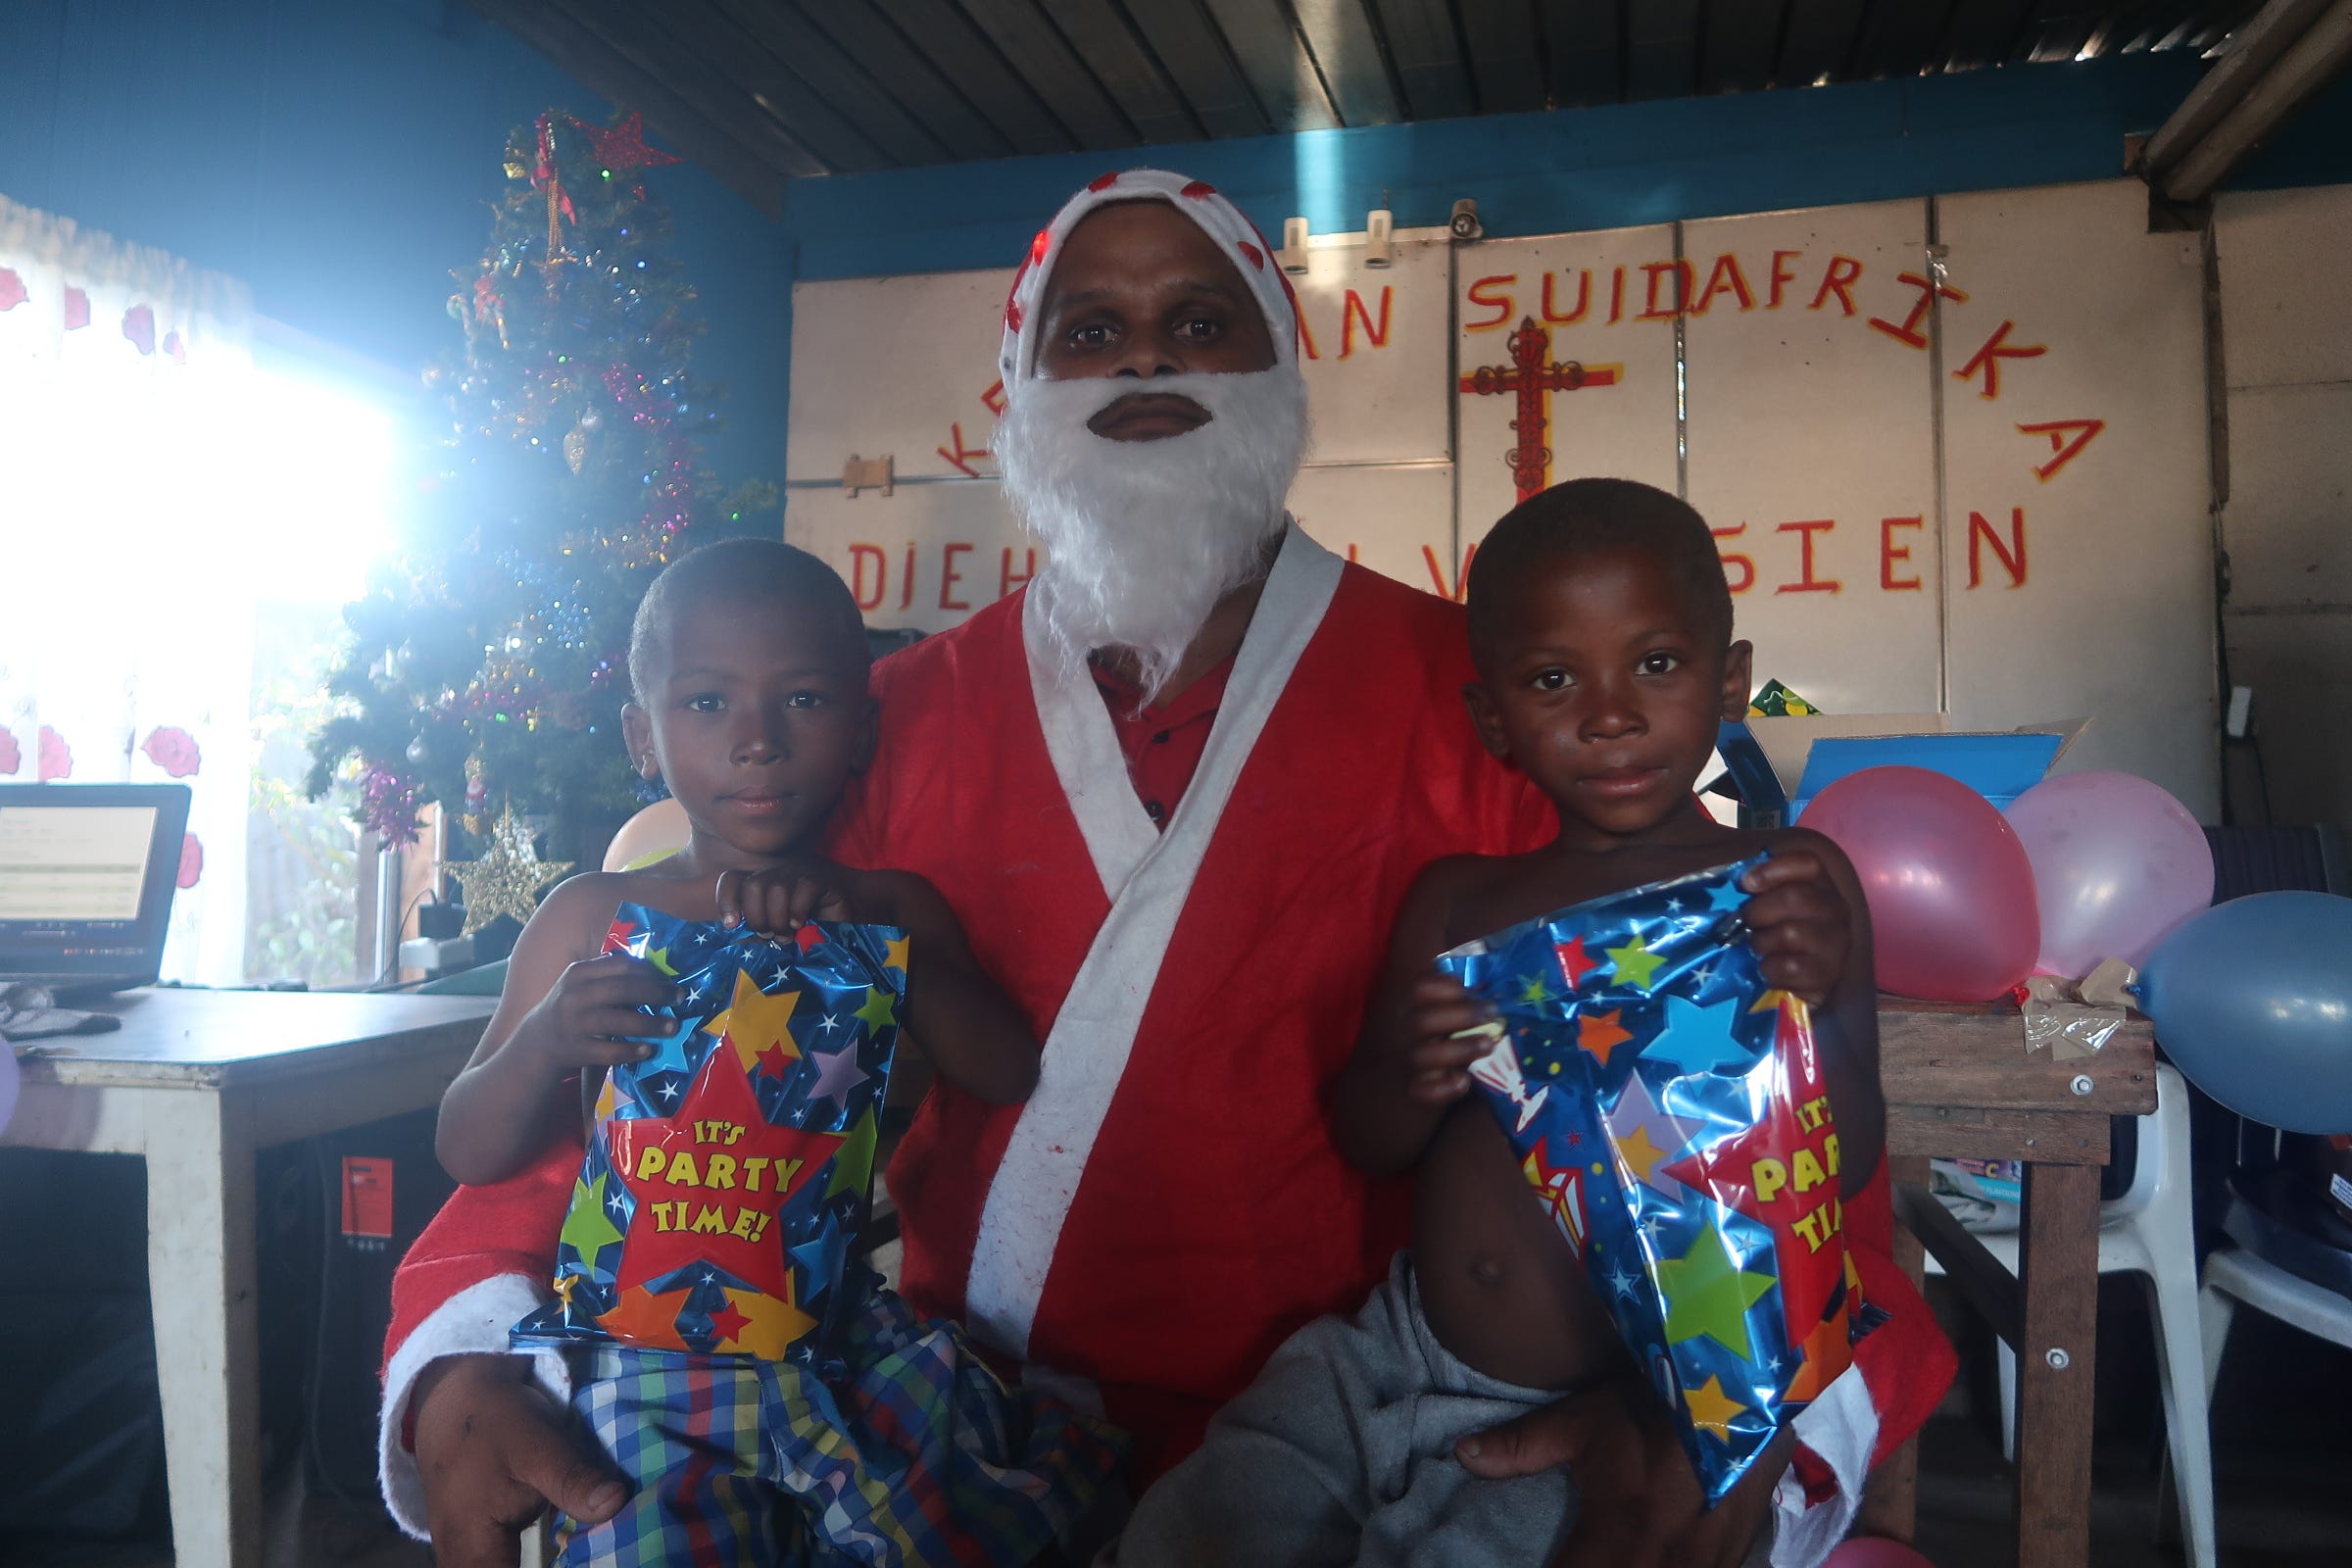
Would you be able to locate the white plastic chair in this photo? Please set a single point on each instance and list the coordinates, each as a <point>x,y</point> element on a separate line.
<point>2148,1232</point>
<point>2233,1276</point>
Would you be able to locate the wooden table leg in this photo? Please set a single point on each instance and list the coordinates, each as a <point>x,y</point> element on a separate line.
<point>2058,1270</point>
<point>200,1277</point>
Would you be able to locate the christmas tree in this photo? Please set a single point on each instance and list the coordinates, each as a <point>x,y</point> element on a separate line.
<point>487,664</point>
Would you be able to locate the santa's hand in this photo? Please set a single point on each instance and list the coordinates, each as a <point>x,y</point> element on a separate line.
<point>777,902</point>
<point>1639,1501</point>
<point>494,1452</point>
<point>1448,1028</point>
<point>1798,924</point>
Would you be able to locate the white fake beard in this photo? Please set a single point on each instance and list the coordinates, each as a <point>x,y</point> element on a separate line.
<point>1143,538</point>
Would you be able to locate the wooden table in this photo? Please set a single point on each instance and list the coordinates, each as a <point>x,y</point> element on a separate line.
<point>195,1081</point>
<point>1960,1085</point>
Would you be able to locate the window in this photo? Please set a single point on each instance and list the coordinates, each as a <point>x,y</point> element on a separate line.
<point>179,529</point>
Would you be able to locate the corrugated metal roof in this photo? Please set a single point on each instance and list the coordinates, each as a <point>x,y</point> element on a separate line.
<point>763,90</point>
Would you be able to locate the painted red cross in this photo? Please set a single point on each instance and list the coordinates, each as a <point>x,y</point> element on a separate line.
<point>1532,376</point>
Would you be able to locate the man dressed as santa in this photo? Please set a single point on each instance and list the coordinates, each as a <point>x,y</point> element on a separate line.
<point>1175,789</point>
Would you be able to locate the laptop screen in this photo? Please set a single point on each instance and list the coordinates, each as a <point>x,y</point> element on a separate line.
<point>86,877</point>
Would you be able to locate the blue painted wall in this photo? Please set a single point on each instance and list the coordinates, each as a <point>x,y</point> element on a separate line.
<point>339,156</point>
<point>1543,174</point>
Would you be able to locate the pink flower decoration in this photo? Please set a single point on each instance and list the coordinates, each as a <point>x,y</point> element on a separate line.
<point>77,309</point>
<point>57,757</point>
<point>11,758</point>
<point>138,327</point>
<point>176,348</point>
<point>191,861</point>
<point>12,289</point>
<point>174,750</point>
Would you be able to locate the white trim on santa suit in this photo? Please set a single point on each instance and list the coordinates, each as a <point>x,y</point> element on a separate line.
<point>1148,877</point>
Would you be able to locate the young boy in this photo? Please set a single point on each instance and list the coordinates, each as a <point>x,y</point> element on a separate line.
<point>1600,628</point>
<point>749,662</point>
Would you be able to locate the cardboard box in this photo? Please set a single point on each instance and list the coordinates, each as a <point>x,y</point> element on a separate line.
<point>1781,764</point>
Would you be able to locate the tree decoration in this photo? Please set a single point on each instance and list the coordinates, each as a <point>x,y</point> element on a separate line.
<point>507,879</point>
<point>486,663</point>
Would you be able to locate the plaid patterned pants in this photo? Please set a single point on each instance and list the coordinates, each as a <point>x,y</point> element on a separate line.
<point>915,1454</point>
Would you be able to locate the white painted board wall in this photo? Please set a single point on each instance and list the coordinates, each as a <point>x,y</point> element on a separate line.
<point>1899,539</point>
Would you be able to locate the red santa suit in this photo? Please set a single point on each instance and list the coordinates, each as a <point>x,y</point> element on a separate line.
<point>1168,1205</point>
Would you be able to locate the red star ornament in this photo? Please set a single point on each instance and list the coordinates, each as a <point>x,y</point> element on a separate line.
<point>623,146</point>
<point>1784,1173</point>
<point>709,1181</point>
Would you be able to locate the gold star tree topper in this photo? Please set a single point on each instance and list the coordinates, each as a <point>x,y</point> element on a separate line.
<point>507,879</point>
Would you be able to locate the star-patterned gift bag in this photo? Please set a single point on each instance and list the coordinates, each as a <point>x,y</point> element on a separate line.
<point>1667,1107</point>
<point>727,1173</point>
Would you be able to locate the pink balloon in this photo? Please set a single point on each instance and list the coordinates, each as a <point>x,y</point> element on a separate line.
<point>2117,865</point>
<point>1870,1551</point>
<point>1950,893</point>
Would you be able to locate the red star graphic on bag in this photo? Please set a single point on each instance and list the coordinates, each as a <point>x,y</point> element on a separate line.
<point>1785,1175</point>
<point>710,1179</point>
<point>727,1323</point>
<point>1572,963</point>
<point>641,1318</point>
<point>1828,1352</point>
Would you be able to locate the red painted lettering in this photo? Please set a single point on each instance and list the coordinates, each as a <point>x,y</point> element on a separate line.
<point>1306,337</point>
<point>1616,295</point>
<point>1681,290</point>
<point>994,398</point>
<point>1806,582</point>
<point>2065,450</point>
<point>1009,579</point>
<point>1781,278</point>
<point>949,577</point>
<point>958,454</point>
<point>1909,333</point>
<point>1437,573</point>
<point>1837,280</point>
<point>906,578</point>
<point>1353,308</point>
<point>858,557</point>
<point>1988,360</point>
<point>1584,298</point>
<point>1724,278</point>
<point>2013,559</point>
<point>1482,294</point>
<point>1890,553</point>
<point>1744,565</point>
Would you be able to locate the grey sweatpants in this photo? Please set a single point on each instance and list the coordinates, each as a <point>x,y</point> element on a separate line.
<point>1341,1452</point>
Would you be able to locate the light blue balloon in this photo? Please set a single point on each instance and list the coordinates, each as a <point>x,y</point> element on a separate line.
<point>2253,1001</point>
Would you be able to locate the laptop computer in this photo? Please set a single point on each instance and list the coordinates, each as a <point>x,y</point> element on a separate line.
<point>86,877</point>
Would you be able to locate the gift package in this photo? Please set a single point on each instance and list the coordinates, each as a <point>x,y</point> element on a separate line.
<point>1668,1109</point>
<point>726,1175</point>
